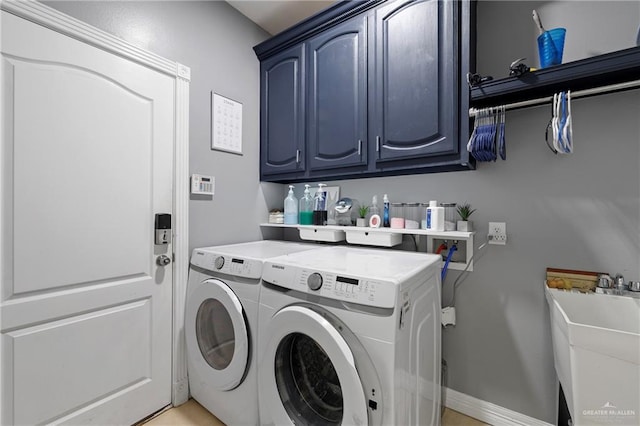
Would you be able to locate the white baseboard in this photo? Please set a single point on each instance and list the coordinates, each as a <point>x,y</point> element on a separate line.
<point>486,411</point>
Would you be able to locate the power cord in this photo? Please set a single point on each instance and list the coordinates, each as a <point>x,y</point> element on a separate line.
<point>457,282</point>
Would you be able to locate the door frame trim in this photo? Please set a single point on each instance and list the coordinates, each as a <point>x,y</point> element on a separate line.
<point>48,17</point>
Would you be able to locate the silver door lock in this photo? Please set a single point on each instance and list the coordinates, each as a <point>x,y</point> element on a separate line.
<point>163,260</point>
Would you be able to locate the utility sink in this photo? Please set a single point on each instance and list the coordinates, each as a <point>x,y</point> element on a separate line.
<point>596,350</point>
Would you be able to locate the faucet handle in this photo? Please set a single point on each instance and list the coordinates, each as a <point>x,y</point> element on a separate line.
<point>605,281</point>
<point>619,282</point>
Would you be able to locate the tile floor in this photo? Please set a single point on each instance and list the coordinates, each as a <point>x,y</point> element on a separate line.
<point>192,414</point>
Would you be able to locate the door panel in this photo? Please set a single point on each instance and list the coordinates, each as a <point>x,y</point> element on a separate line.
<point>414,61</point>
<point>282,120</point>
<point>73,168</point>
<point>337,107</point>
<point>86,161</point>
<point>62,389</point>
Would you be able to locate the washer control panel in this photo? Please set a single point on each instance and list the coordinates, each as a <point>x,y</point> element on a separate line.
<point>350,289</point>
<point>225,264</point>
<point>365,291</point>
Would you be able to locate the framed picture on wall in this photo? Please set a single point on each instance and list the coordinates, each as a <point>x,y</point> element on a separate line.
<point>226,124</point>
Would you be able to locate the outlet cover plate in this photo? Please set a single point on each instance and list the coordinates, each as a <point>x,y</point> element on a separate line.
<point>497,233</point>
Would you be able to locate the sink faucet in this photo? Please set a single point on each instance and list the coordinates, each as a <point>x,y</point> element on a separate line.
<point>617,287</point>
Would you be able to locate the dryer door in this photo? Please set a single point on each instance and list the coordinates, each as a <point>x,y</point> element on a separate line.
<point>217,335</point>
<point>309,373</point>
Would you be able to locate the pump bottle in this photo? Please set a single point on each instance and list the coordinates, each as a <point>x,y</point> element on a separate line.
<point>291,208</point>
<point>320,206</point>
<point>385,213</point>
<point>435,217</point>
<point>306,207</point>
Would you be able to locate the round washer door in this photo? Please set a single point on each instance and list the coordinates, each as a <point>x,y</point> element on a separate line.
<point>308,372</point>
<point>217,335</point>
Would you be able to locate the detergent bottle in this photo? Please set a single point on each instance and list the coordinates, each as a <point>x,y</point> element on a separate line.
<point>306,207</point>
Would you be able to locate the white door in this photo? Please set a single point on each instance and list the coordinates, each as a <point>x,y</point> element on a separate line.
<point>86,161</point>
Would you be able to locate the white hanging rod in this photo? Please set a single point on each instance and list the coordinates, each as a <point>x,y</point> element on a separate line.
<point>574,95</point>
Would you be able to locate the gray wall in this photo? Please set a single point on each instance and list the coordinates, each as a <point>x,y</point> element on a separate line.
<point>580,211</point>
<point>216,42</point>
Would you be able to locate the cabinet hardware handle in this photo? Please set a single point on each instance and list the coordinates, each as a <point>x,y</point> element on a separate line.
<point>359,146</point>
<point>378,143</point>
<point>297,155</point>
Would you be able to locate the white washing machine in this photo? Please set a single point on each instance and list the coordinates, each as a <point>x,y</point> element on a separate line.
<point>221,326</point>
<point>350,336</point>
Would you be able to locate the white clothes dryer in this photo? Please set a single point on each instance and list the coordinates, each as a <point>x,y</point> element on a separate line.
<point>350,336</point>
<point>221,322</point>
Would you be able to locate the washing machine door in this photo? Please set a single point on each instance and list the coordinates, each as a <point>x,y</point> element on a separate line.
<point>217,335</point>
<point>308,372</point>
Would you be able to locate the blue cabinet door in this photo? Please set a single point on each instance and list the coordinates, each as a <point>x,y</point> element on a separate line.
<point>282,129</point>
<point>337,97</point>
<point>415,91</point>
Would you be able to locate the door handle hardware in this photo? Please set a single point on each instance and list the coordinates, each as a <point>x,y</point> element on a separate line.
<point>377,143</point>
<point>297,155</point>
<point>163,260</point>
<point>359,146</point>
<point>163,228</point>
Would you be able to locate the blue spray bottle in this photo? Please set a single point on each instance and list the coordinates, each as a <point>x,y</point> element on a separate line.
<point>385,211</point>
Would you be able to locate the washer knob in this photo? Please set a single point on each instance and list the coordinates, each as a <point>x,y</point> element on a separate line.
<point>219,262</point>
<point>314,281</point>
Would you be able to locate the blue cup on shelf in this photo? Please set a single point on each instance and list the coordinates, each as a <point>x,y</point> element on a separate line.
<point>551,46</point>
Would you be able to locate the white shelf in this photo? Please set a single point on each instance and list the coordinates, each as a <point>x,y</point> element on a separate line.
<point>385,237</point>
<point>450,235</point>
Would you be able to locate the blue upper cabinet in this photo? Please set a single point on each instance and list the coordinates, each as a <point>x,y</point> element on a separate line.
<point>415,95</point>
<point>337,97</point>
<point>282,121</point>
<point>368,88</point>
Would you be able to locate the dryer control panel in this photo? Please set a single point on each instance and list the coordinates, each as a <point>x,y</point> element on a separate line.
<point>365,291</point>
<point>225,264</point>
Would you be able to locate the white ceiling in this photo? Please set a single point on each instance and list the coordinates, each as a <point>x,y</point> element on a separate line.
<point>275,16</point>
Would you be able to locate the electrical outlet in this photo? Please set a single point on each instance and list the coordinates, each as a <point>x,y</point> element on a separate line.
<point>448,316</point>
<point>497,233</point>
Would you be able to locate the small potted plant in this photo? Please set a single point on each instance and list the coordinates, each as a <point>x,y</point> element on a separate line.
<point>362,211</point>
<point>464,211</point>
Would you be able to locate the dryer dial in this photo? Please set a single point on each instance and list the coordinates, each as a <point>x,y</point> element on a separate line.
<point>219,262</point>
<point>314,281</point>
